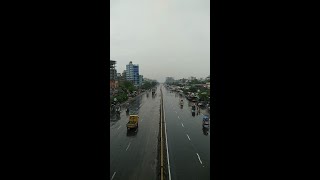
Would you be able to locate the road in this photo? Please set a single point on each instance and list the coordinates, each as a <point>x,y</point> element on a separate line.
<point>134,155</point>
<point>188,142</point>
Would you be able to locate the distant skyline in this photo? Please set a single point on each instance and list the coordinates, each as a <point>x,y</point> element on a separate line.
<point>166,38</point>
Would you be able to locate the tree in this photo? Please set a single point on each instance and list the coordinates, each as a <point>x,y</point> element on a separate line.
<point>127,86</point>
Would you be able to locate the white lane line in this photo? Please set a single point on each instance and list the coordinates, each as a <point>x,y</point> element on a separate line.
<point>182,125</point>
<point>141,120</point>
<point>128,146</point>
<point>176,111</point>
<point>202,114</point>
<point>178,117</point>
<point>199,158</point>
<point>113,175</point>
<point>119,127</point>
<point>165,130</point>
<point>188,137</point>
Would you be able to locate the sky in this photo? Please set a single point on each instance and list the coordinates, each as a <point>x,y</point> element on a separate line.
<point>166,38</point>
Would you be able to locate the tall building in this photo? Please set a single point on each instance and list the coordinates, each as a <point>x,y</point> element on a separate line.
<point>113,76</point>
<point>132,73</point>
<point>113,71</point>
<point>140,80</point>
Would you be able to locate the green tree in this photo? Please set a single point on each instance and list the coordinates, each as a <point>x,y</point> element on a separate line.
<point>127,86</point>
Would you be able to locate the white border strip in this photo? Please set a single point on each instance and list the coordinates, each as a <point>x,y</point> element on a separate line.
<point>128,146</point>
<point>199,158</point>
<point>165,126</point>
<point>113,175</point>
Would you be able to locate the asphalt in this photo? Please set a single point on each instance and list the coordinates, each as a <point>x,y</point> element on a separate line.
<point>188,142</point>
<point>133,154</point>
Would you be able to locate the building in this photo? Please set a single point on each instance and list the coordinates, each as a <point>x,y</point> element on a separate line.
<point>140,80</point>
<point>113,71</point>
<point>123,76</point>
<point>208,78</point>
<point>132,73</point>
<point>113,76</point>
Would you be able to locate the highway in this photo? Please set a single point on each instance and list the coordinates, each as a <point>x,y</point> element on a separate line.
<point>134,155</point>
<point>188,142</point>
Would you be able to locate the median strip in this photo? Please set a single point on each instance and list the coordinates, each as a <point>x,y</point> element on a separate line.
<point>164,157</point>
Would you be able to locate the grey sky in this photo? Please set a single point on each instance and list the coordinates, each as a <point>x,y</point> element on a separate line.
<point>165,37</point>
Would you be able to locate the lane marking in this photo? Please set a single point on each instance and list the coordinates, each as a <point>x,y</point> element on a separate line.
<point>199,158</point>
<point>176,111</point>
<point>113,175</point>
<point>141,120</point>
<point>119,127</point>
<point>128,146</point>
<point>178,117</point>
<point>202,114</point>
<point>165,130</point>
<point>188,137</point>
<point>182,125</point>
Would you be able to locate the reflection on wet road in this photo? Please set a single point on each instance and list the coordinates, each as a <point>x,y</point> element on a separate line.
<point>188,141</point>
<point>133,154</point>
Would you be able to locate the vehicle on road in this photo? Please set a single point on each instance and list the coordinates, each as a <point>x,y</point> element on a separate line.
<point>205,131</point>
<point>181,101</point>
<point>205,122</point>
<point>153,91</point>
<point>118,109</point>
<point>193,108</point>
<point>133,122</point>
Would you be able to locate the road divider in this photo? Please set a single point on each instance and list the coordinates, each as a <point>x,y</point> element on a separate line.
<point>164,162</point>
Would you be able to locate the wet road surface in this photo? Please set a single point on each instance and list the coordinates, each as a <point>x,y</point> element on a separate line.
<point>188,142</point>
<point>134,155</point>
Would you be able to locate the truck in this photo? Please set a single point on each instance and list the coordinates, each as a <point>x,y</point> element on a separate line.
<point>133,122</point>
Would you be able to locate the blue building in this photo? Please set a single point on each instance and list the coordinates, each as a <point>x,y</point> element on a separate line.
<point>132,73</point>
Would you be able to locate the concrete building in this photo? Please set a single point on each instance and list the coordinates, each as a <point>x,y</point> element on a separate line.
<point>123,76</point>
<point>208,78</point>
<point>140,80</point>
<point>113,71</point>
<point>113,77</point>
<point>132,73</point>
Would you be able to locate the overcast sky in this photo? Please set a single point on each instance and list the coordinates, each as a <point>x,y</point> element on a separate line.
<point>165,37</point>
